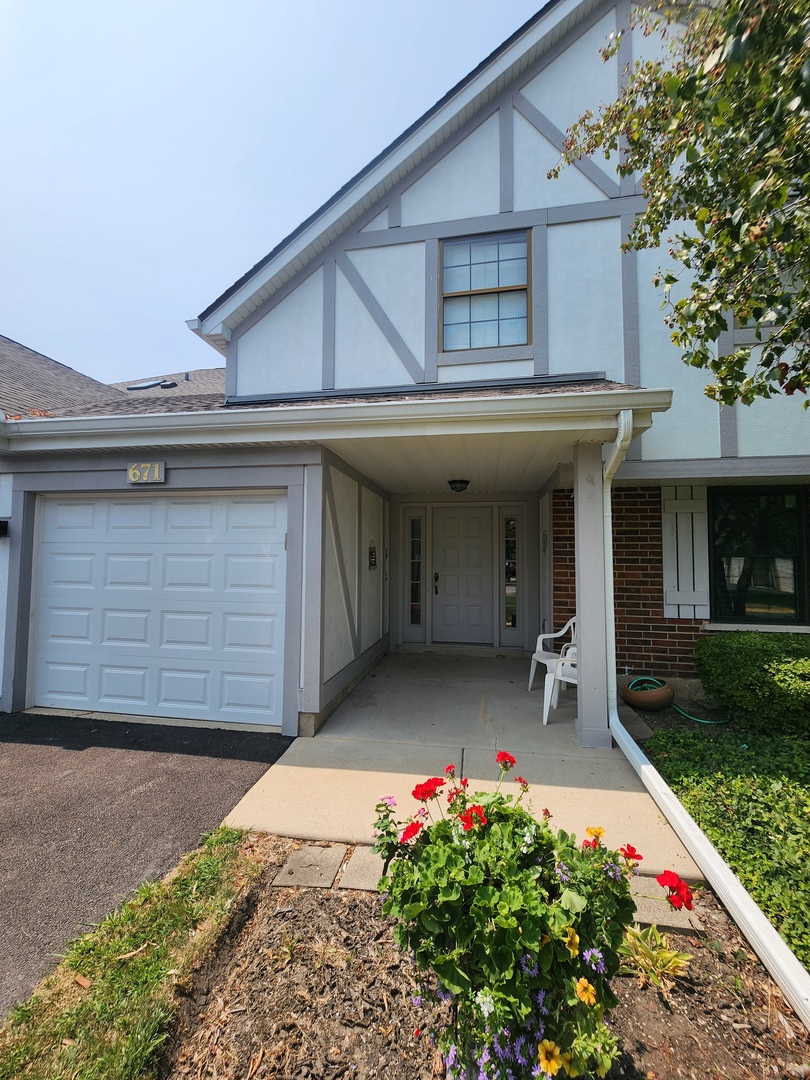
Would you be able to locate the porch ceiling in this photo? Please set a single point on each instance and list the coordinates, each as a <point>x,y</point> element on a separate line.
<point>492,462</point>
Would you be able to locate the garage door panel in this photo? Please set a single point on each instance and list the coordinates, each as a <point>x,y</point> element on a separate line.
<point>173,607</point>
<point>124,515</point>
<point>189,572</point>
<point>130,628</point>
<point>128,570</point>
<point>253,573</point>
<point>68,624</point>
<point>123,685</point>
<point>70,570</point>
<point>67,683</point>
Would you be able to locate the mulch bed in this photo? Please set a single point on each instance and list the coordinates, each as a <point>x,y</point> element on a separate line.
<point>308,983</point>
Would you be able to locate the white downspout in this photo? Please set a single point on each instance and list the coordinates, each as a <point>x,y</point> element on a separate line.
<point>624,436</point>
<point>788,973</point>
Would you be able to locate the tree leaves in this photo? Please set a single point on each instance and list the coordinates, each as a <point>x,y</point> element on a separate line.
<point>720,132</point>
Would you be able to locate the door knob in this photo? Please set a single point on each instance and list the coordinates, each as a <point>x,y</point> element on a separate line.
<point>436,583</point>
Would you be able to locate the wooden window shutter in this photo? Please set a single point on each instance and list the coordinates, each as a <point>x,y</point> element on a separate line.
<point>686,552</point>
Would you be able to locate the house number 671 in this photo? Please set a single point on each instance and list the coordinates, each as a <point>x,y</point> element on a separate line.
<point>146,472</point>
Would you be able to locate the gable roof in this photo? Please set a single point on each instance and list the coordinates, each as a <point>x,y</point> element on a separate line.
<point>32,383</point>
<point>369,186</point>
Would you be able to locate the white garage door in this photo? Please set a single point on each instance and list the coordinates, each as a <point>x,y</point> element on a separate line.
<point>162,606</point>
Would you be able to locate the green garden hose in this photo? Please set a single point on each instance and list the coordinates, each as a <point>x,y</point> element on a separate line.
<point>649,682</point>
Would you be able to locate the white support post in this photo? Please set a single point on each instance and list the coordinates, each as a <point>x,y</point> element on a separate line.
<point>592,717</point>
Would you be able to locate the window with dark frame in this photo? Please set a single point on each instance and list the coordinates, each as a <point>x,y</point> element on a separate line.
<point>758,555</point>
<point>485,292</point>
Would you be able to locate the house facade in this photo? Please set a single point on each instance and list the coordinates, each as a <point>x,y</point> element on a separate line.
<point>452,417</point>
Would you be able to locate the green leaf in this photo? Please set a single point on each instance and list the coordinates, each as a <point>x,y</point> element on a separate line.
<point>572,901</point>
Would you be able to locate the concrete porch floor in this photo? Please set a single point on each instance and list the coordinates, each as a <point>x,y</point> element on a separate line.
<point>415,713</point>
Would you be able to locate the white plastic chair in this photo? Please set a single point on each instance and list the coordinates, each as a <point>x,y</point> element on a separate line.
<point>564,670</point>
<point>545,654</point>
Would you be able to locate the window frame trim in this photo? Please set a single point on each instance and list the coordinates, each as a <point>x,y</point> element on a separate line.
<point>802,618</point>
<point>526,233</point>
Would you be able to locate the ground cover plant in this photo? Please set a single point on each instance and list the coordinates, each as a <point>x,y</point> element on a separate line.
<point>107,1009</point>
<point>750,793</point>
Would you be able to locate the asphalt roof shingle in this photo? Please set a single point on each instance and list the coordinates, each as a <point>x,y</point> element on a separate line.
<point>32,384</point>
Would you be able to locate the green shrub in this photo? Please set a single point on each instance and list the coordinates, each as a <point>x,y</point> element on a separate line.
<point>762,680</point>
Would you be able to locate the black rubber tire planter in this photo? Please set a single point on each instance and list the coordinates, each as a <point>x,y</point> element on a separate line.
<point>649,694</point>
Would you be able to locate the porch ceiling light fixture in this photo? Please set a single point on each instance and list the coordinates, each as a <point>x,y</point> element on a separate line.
<point>458,485</point>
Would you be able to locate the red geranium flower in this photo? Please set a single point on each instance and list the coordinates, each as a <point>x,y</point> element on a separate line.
<point>668,880</point>
<point>678,892</point>
<point>449,770</point>
<point>630,853</point>
<point>524,784</point>
<point>429,789</point>
<point>467,819</point>
<point>410,831</point>
<point>590,843</point>
<point>505,760</point>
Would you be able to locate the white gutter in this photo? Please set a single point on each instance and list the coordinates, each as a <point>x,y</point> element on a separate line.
<point>591,410</point>
<point>788,973</point>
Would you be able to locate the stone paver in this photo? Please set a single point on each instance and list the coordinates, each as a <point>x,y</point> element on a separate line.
<point>312,867</point>
<point>363,871</point>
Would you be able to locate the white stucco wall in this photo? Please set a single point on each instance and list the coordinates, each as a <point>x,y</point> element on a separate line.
<point>578,79</point>
<point>464,183</point>
<point>690,428</point>
<point>396,277</point>
<point>371,580</point>
<point>337,642</point>
<point>779,426</point>
<point>533,157</point>
<point>503,369</point>
<point>585,298</point>
<point>360,518</point>
<point>284,350</point>
<point>363,356</point>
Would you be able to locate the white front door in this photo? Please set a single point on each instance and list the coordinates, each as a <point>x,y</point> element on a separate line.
<point>164,605</point>
<point>462,575</point>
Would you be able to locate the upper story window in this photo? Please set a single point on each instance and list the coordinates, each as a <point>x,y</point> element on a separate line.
<point>758,554</point>
<point>485,293</point>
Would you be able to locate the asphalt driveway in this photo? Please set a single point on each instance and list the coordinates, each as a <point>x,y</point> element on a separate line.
<point>90,809</point>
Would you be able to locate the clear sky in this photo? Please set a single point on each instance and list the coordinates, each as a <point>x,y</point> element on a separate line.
<point>154,150</point>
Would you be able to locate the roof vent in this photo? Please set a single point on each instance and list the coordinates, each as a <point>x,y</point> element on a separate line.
<point>146,385</point>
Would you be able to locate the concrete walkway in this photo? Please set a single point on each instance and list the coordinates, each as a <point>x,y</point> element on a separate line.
<point>414,714</point>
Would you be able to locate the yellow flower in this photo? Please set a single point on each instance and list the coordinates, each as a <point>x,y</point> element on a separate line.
<point>596,832</point>
<point>572,941</point>
<point>586,992</point>
<point>569,1066</point>
<point>548,1056</point>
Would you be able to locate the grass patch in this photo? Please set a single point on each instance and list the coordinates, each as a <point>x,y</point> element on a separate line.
<point>750,794</point>
<point>106,1010</point>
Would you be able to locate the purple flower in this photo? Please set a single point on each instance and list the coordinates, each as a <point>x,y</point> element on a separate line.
<point>540,998</point>
<point>389,801</point>
<point>452,1057</point>
<point>594,959</point>
<point>613,871</point>
<point>417,1001</point>
<point>529,966</point>
<point>562,872</point>
<point>518,1051</point>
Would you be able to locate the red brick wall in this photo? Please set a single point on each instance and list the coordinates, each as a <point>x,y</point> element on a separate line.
<point>646,642</point>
